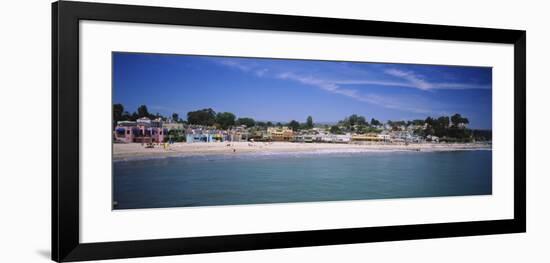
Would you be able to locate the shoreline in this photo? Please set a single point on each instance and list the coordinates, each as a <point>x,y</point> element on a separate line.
<point>131,151</point>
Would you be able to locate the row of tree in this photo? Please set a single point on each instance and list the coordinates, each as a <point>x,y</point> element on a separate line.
<point>451,128</point>
<point>444,126</point>
<point>357,120</point>
<point>120,114</point>
<point>224,120</point>
<point>206,117</point>
<point>356,123</point>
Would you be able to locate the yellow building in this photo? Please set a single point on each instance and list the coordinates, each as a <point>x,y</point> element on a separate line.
<point>369,137</point>
<point>280,134</point>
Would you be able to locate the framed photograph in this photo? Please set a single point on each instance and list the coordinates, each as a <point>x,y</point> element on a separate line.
<point>178,131</point>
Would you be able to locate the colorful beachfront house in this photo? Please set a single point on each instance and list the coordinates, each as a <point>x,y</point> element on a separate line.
<point>384,136</point>
<point>172,126</point>
<point>150,130</point>
<point>333,138</point>
<point>325,137</point>
<point>258,135</point>
<point>369,137</point>
<point>401,136</point>
<point>280,134</point>
<point>304,138</point>
<point>238,134</point>
<point>202,134</point>
<point>405,136</point>
<point>175,131</point>
<point>142,130</point>
<point>343,138</point>
<point>125,131</point>
<point>203,137</point>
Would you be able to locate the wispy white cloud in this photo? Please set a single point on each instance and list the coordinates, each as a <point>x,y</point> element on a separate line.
<point>460,86</point>
<point>322,84</point>
<point>245,67</point>
<point>413,79</point>
<point>427,86</point>
<point>372,82</point>
<point>235,64</point>
<point>261,72</point>
<point>418,81</point>
<point>403,78</point>
<point>386,102</point>
<point>407,79</point>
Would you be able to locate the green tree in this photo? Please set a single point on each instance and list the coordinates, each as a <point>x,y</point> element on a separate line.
<point>205,117</point>
<point>269,124</point>
<point>248,122</point>
<point>353,119</point>
<point>429,129</point>
<point>420,132</point>
<point>126,116</point>
<point>175,117</point>
<point>335,129</point>
<point>118,110</point>
<point>443,121</point>
<point>374,122</point>
<point>441,126</point>
<point>309,122</point>
<point>344,122</point>
<point>362,121</point>
<point>417,122</point>
<point>429,121</point>
<point>225,119</point>
<point>143,112</point>
<point>362,129</point>
<point>482,135</point>
<point>294,125</point>
<point>457,119</point>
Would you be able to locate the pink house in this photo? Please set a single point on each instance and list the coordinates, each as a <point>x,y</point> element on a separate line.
<point>143,130</point>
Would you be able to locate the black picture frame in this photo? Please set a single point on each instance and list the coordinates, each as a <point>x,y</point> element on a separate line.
<point>65,130</point>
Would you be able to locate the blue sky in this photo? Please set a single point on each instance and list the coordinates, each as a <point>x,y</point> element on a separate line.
<point>283,90</point>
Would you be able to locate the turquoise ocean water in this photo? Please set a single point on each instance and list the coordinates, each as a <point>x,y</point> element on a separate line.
<point>299,177</point>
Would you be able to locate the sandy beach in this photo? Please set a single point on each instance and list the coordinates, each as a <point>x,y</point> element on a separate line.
<point>139,151</point>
